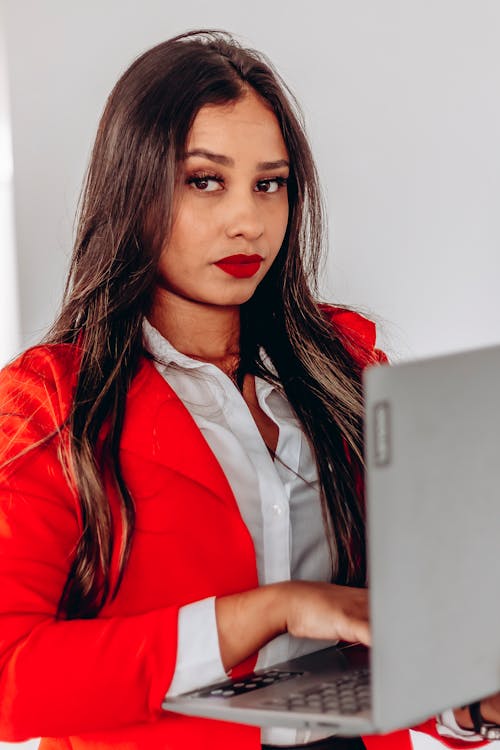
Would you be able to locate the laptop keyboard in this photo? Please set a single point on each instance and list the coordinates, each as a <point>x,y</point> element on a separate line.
<point>245,685</point>
<point>347,695</point>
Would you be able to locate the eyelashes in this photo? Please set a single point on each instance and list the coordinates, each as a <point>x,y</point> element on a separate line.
<point>202,179</point>
<point>279,181</point>
<point>211,182</point>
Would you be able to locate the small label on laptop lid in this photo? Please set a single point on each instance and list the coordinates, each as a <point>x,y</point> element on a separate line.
<point>382,430</point>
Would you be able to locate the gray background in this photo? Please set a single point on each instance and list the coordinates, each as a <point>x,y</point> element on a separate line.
<point>402,105</point>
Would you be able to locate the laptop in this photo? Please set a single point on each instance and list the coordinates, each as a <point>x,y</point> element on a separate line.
<point>432,433</point>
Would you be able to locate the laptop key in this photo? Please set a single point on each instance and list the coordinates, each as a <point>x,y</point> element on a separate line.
<point>348,695</point>
<point>228,689</point>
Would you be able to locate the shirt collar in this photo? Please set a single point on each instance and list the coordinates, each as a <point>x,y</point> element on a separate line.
<point>165,353</point>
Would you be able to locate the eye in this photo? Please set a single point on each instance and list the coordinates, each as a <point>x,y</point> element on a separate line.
<point>271,185</point>
<point>206,183</point>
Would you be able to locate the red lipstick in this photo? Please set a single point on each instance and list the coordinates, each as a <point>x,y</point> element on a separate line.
<point>241,266</point>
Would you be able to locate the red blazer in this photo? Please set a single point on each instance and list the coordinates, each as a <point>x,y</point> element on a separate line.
<point>99,683</point>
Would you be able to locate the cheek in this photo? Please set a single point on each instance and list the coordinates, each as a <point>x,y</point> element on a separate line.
<point>188,237</point>
<point>194,227</point>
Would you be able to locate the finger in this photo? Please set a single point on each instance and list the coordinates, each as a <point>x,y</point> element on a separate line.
<point>357,630</point>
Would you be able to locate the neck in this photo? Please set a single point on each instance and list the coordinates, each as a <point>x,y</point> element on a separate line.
<point>207,332</point>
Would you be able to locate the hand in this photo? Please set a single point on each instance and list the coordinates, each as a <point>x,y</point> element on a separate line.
<point>248,620</point>
<point>490,711</point>
<point>328,612</point>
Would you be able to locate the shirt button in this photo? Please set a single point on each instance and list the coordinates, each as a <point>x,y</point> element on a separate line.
<point>277,510</point>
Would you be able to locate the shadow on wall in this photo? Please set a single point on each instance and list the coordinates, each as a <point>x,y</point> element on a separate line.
<point>9,321</point>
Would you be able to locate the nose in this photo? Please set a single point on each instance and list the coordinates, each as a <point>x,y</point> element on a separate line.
<point>243,217</point>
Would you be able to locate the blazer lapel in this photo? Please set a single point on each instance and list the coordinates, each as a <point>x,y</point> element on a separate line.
<point>158,426</point>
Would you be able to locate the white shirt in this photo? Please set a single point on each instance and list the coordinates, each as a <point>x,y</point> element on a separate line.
<point>279,502</point>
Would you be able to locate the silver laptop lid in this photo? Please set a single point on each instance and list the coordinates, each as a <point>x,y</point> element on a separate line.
<point>433,467</point>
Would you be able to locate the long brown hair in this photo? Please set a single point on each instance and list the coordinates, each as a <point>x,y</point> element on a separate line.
<point>125,218</point>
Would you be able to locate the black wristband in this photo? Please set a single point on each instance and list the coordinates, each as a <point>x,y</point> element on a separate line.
<point>486,729</point>
<point>475,716</point>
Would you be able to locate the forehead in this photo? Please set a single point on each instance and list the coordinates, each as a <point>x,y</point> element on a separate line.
<point>248,124</point>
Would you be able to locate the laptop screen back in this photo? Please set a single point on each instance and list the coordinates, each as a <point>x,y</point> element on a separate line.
<point>433,495</point>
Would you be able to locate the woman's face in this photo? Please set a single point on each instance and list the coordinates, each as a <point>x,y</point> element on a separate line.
<point>231,207</point>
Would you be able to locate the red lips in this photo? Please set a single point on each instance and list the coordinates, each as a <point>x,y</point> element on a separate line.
<point>241,266</point>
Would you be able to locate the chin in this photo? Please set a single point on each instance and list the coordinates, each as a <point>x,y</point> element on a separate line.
<point>229,302</point>
<point>231,298</point>
<point>241,298</point>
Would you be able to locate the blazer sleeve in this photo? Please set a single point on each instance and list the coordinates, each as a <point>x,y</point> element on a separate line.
<point>60,677</point>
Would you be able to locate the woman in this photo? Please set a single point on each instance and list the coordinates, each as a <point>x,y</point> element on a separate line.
<point>181,459</point>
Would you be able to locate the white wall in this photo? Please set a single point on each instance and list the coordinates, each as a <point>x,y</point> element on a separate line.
<point>402,105</point>
<point>9,311</point>
<point>401,99</point>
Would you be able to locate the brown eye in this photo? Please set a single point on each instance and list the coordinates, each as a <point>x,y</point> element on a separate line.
<point>271,185</point>
<point>205,183</point>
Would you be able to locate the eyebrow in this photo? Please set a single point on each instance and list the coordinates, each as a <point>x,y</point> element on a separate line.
<point>226,161</point>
